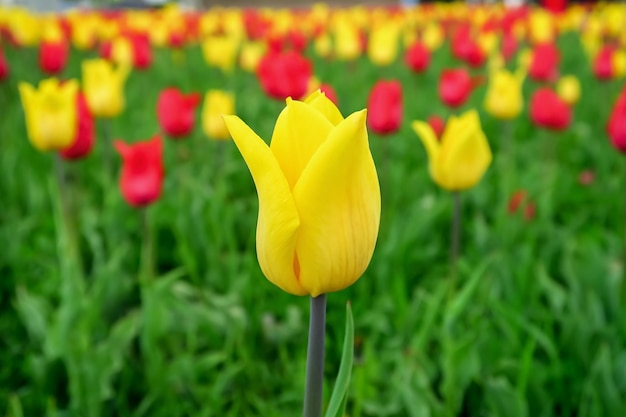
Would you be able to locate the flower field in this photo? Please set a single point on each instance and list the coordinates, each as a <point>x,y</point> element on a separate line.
<point>158,258</point>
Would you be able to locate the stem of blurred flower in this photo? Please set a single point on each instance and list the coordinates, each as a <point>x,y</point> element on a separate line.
<point>67,212</point>
<point>623,294</point>
<point>455,238</point>
<point>315,358</point>
<point>146,267</point>
<point>107,143</point>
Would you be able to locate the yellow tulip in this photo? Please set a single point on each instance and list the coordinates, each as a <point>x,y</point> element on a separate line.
<point>568,88</point>
<point>383,45</point>
<point>51,115</point>
<point>347,42</point>
<point>122,52</point>
<point>460,159</point>
<point>618,61</point>
<point>319,197</point>
<point>541,25</point>
<point>323,46</point>
<point>251,54</point>
<point>216,104</point>
<point>504,99</point>
<point>220,52</point>
<point>24,26</point>
<point>433,36</point>
<point>104,87</point>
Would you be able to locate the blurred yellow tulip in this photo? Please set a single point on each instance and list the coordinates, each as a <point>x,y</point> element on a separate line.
<point>383,45</point>
<point>319,197</point>
<point>104,87</point>
<point>250,55</point>
<point>433,36</point>
<point>504,99</point>
<point>24,26</point>
<point>216,104</point>
<point>347,42</point>
<point>541,26</point>
<point>220,52</point>
<point>460,159</point>
<point>51,113</point>
<point>568,88</point>
<point>618,61</point>
<point>122,51</point>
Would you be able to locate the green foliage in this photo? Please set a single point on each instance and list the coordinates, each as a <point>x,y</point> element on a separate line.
<point>533,326</point>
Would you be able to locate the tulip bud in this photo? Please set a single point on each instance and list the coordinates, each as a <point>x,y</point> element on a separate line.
<point>549,111</point>
<point>385,107</point>
<point>176,112</point>
<point>142,174</point>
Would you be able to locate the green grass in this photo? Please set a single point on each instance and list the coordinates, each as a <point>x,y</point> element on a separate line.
<point>535,326</point>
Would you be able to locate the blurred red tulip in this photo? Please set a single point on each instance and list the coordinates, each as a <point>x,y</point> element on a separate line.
<point>529,211</point>
<point>616,126</point>
<point>548,110</point>
<point>603,64</point>
<point>417,57</point>
<point>142,174</point>
<point>555,6</point>
<point>516,201</point>
<point>284,74</point>
<point>586,177</point>
<point>53,56</point>
<point>257,26</point>
<point>142,50</point>
<point>176,112</point>
<point>329,92</point>
<point>384,107</point>
<point>85,133</point>
<point>455,87</point>
<point>461,42</point>
<point>509,46</point>
<point>437,124</point>
<point>4,66</point>
<point>544,65</point>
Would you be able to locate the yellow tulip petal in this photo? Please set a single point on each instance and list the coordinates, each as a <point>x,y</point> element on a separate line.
<point>299,131</point>
<point>338,199</point>
<point>27,93</point>
<point>323,104</point>
<point>278,220</point>
<point>468,156</point>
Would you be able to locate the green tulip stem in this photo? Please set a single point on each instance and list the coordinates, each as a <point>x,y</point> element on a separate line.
<point>107,144</point>
<point>67,211</point>
<point>455,238</point>
<point>146,267</point>
<point>315,358</point>
<point>624,243</point>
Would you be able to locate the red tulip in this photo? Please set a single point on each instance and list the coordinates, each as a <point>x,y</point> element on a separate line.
<point>284,74</point>
<point>85,134</point>
<point>329,92</point>
<point>555,6</point>
<point>53,56</point>
<point>455,87</point>
<point>544,65</point>
<point>516,201</point>
<point>417,57</point>
<point>437,124</point>
<point>142,174</point>
<point>603,64</point>
<point>548,110</point>
<point>616,126</point>
<point>509,46</point>
<point>4,67</point>
<point>142,51</point>
<point>461,42</point>
<point>176,112</point>
<point>384,107</point>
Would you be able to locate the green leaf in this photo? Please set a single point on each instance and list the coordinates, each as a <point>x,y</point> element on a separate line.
<point>336,406</point>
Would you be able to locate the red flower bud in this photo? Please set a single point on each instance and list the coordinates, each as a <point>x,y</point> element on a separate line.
<point>53,56</point>
<point>284,74</point>
<point>544,65</point>
<point>384,107</point>
<point>548,110</point>
<point>176,112</point>
<point>455,87</point>
<point>142,174</point>
<point>603,64</point>
<point>417,57</point>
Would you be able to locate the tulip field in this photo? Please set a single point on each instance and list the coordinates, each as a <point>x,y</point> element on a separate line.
<point>467,232</point>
